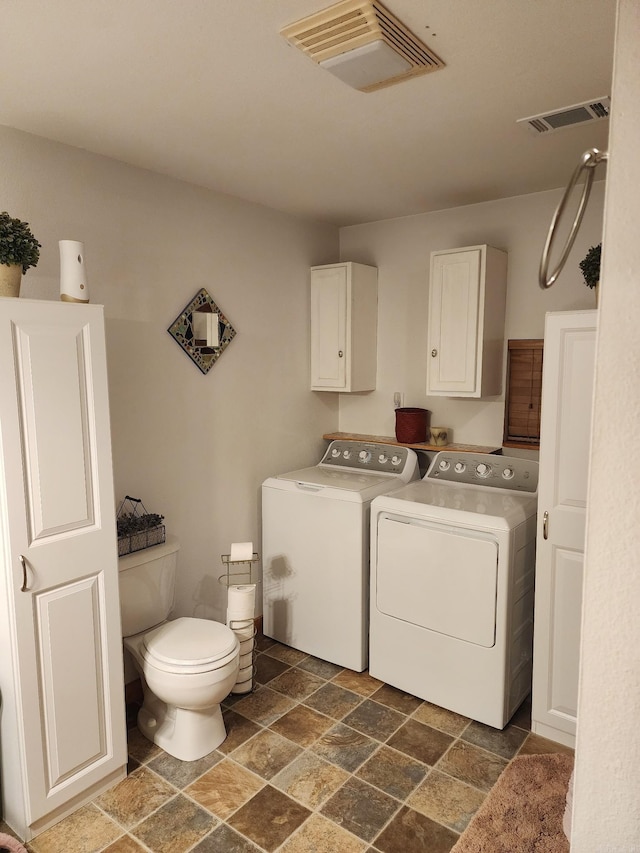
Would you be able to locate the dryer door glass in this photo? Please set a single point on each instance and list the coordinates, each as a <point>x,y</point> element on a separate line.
<point>438,577</point>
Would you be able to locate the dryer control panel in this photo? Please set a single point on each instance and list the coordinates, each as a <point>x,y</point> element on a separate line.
<point>368,456</point>
<point>480,469</point>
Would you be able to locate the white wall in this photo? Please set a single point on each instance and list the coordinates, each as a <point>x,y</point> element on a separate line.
<point>607,785</point>
<point>401,248</point>
<point>195,448</point>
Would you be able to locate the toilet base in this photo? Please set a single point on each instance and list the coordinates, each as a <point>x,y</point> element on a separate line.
<point>186,735</point>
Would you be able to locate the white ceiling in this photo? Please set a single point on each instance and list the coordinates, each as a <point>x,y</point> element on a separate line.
<point>209,92</point>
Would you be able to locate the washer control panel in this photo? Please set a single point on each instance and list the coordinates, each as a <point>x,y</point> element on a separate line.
<point>378,458</point>
<point>497,472</point>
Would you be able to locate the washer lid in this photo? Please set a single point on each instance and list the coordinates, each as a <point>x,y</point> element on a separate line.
<point>189,642</point>
<point>353,481</point>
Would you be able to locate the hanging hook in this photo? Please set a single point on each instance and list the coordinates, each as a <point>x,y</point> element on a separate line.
<point>588,162</point>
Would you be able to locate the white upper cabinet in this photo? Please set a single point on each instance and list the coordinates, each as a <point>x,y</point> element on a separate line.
<point>467,296</point>
<point>344,318</point>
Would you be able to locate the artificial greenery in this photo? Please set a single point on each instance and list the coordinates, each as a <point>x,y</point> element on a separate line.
<point>17,243</point>
<point>590,266</point>
<point>129,523</point>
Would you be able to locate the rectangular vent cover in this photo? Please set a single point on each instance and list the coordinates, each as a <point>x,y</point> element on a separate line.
<point>568,116</point>
<point>362,43</point>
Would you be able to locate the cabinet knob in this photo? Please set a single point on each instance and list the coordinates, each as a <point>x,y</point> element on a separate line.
<point>434,353</point>
<point>340,353</point>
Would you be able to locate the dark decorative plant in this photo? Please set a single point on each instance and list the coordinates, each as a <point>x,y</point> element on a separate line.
<point>590,266</point>
<point>17,243</point>
<point>130,523</point>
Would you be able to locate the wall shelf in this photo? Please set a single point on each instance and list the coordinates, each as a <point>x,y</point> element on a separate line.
<point>388,439</point>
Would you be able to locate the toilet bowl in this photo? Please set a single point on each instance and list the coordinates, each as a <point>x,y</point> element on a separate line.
<point>187,665</point>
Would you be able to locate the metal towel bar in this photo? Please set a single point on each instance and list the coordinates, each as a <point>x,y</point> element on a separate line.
<point>588,162</point>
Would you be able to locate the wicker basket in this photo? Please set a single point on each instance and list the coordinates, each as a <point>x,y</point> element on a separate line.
<point>137,528</point>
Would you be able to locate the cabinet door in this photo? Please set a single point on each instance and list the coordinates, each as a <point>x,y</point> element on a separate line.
<point>58,538</point>
<point>329,300</point>
<point>454,296</point>
<point>567,392</point>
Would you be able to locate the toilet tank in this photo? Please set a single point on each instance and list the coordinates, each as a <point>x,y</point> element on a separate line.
<point>147,581</point>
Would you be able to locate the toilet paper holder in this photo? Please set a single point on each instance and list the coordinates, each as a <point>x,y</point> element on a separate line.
<point>237,569</point>
<point>239,572</point>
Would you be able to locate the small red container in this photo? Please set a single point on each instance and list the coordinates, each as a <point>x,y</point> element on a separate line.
<point>412,425</point>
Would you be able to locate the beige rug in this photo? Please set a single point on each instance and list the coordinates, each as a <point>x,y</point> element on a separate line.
<point>524,809</point>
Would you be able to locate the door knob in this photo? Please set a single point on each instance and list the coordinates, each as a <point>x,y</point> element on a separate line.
<point>340,353</point>
<point>545,525</point>
<point>434,353</point>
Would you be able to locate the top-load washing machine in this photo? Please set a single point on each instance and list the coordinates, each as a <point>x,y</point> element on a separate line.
<point>315,548</point>
<point>452,574</point>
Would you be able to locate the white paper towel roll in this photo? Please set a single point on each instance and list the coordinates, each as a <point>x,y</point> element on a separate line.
<point>241,551</point>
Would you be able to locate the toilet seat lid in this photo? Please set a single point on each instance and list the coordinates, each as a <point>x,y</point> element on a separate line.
<point>190,642</point>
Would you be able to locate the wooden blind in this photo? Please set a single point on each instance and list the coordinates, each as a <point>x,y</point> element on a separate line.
<point>523,394</point>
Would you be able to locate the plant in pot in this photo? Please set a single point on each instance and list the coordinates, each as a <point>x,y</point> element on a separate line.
<point>590,266</point>
<point>19,250</point>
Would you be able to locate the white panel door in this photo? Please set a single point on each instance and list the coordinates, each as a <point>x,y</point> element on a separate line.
<point>453,322</point>
<point>59,542</point>
<point>567,400</point>
<point>329,294</point>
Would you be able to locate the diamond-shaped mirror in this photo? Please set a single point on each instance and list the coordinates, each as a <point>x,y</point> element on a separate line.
<point>202,331</point>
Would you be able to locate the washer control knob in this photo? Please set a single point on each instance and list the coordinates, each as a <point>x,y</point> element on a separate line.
<point>507,473</point>
<point>347,454</point>
<point>459,467</point>
<point>382,458</point>
<point>443,465</point>
<point>364,456</point>
<point>395,460</point>
<point>335,453</point>
<point>482,469</point>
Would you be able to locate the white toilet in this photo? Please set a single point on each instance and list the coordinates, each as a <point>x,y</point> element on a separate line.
<point>187,666</point>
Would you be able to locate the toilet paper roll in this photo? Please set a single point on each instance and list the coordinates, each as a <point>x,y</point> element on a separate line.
<point>246,660</point>
<point>241,551</point>
<point>246,646</point>
<point>241,601</point>
<point>242,686</point>
<point>242,629</point>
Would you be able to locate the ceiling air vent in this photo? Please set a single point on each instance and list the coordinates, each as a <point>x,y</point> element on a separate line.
<point>363,44</point>
<point>568,116</point>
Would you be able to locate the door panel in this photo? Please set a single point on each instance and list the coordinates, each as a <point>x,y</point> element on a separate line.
<point>438,577</point>
<point>329,327</point>
<point>53,386</point>
<point>74,708</point>
<point>566,603</point>
<point>453,322</point>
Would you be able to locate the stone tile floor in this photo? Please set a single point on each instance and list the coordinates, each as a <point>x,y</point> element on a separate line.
<point>317,759</point>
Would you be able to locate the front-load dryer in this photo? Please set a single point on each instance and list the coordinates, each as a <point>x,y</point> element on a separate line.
<point>452,574</point>
<point>315,548</point>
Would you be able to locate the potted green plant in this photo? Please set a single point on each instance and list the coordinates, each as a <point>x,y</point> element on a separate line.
<point>19,250</point>
<point>590,266</point>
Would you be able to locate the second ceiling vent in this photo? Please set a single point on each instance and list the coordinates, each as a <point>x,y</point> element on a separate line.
<point>363,44</point>
<point>594,110</point>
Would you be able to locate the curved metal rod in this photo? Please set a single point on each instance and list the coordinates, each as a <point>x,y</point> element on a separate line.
<point>588,161</point>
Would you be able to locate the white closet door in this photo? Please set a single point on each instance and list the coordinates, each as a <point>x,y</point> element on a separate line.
<point>60,546</point>
<point>567,401</point>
